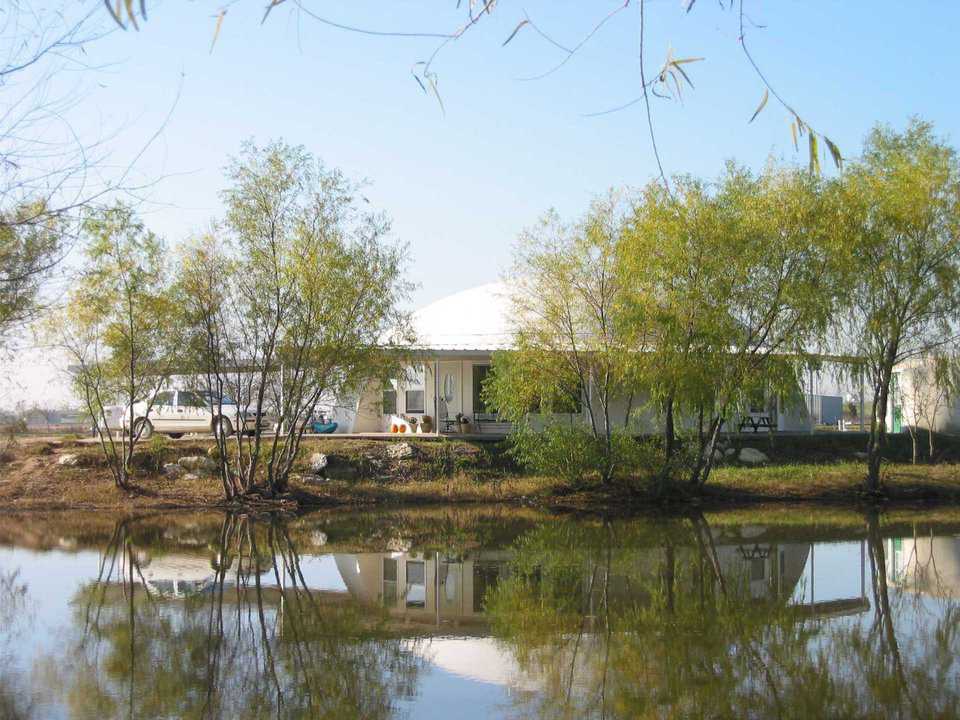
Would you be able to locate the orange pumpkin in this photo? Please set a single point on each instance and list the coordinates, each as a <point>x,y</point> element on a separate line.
<point>393,428</point>
<point>403,428</point>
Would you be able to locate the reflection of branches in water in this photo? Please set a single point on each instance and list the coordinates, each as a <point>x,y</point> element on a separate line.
<point>15,618</point>
<point>679,630</point>
<point>287,654</point>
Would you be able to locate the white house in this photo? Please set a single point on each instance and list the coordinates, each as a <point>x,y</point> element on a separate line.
<point>457,337</point>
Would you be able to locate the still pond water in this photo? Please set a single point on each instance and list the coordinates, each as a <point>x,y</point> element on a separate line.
<point>454,613</point>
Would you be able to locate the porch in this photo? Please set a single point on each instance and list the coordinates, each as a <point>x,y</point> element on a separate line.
<point>440,396</point>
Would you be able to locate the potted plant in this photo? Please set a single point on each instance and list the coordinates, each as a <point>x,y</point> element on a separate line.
<point>426,424</point>
<point>463,423</point>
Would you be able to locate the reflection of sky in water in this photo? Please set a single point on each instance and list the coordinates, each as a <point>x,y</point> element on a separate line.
<point>441,694</point>
<point>467,676</point>
<point>319,573</point>
<point>832,572</point>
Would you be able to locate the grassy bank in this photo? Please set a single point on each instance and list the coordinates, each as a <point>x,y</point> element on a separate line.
<point>370,472</point>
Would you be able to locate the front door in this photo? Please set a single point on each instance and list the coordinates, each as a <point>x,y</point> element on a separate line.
<point>450,394</point>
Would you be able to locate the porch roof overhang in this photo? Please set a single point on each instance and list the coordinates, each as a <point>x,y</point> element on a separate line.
<point>451,353</point>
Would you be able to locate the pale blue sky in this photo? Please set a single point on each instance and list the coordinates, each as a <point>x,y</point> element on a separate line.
<point>461,185</point>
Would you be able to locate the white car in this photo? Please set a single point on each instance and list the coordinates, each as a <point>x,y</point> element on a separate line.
<point>176,412</point>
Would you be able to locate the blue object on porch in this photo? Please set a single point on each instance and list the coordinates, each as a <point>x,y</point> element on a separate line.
<point>324,428</point>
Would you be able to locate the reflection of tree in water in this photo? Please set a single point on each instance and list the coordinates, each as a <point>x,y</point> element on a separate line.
<point>252,642</point>
<point>15,619</point>
<point>649,620</point>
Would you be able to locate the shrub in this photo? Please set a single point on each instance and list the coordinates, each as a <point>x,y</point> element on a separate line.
<point>444,459</point>
<point>574,452</point>
<point>568,452</point>
<point>635,456</point>
<point>153,454</point>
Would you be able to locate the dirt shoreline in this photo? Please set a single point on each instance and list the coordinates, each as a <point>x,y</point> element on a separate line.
<point>366,474</point>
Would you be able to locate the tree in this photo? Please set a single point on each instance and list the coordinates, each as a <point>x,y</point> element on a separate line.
<point>46,165</point>
<point>737,279</point>
<point>119,328</point>
<point>28,251</point>
<point>571,344</point>
<point>293,300</point>
<point>901,224</point>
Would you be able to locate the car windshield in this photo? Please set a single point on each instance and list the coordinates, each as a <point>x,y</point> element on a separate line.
<point>224,399</point>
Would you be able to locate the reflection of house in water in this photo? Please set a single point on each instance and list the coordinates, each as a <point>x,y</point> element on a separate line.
<point>440,590</point>
<point>175,575</point>
<point>925,565</point>
<point>425,587</point>
<point>765,570</point>
<point>178,575</point>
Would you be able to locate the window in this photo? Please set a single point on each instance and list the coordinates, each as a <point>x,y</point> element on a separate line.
<point>485,578</point>
<point>164,398</point>
<point>189,399</point>
<point>389,581</point>
<point>414,401</point>
<point>390,402</point>
<point>212,398</point>
<point>416,584</point>
<point>480,373</point>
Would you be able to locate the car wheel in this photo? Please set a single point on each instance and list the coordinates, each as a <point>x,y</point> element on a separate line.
<point>142,429</point>
<point>175,436</point>
<point>224,427</point>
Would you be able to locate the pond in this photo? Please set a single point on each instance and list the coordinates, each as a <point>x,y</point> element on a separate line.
<point>478,613</point>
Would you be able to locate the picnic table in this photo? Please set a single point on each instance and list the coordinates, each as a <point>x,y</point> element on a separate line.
<point>757,422</point>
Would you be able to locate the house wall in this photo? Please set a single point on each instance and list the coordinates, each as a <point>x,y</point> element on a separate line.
<point>918,403</point>
<point>368,416</point>
<point>453,378</point>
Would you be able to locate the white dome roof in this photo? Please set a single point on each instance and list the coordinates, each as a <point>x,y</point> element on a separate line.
<point>474,319</point>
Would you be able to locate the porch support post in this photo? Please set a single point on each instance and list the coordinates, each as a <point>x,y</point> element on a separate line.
<point>861,399</point>
<point>436,397</point>
<point>812,424</point>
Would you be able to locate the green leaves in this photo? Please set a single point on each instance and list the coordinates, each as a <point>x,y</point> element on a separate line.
<point>125,8</point>
<point>672,72</point>
<point>761,106</point>
<point>510,37</point>
<point>814,153</point>
<point>216,29</point>
<point>834,152</point>
<point>797,129</point>
<point>270,7</point>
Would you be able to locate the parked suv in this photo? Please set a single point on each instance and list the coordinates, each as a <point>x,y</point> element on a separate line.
<point>175,412</point>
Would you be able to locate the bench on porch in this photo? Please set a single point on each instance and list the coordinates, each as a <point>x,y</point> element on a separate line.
<point>490,423</point>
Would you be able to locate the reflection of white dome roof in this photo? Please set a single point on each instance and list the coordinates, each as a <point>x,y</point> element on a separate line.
<point>479,659</point>
<point>474,319</point>
<point>178,567</point>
